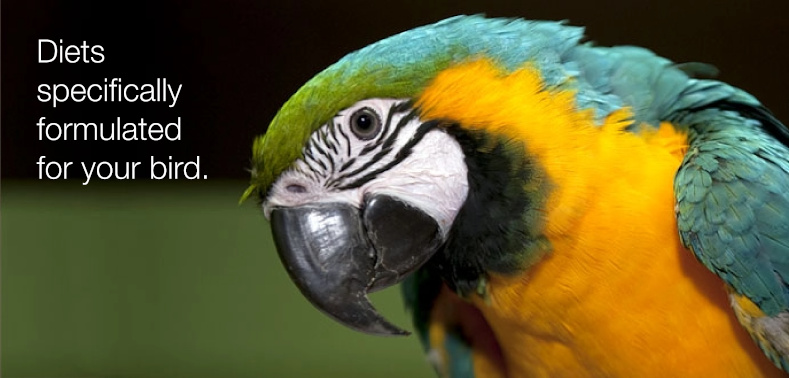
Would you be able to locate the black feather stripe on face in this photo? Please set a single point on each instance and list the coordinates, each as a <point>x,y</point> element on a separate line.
<point>399,156</point>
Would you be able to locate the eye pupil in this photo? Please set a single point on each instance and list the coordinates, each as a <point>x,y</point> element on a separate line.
<point>365,124</point>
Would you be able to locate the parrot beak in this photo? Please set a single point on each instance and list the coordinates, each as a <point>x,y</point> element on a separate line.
<point>336,254</point>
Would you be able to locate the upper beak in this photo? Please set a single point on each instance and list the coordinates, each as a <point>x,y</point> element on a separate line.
<point>336,254</point>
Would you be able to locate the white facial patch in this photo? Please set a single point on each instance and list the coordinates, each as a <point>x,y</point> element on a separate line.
<point>433,178</point>
<point>407,158</point>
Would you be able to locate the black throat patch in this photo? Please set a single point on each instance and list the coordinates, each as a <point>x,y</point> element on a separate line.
<point>499,227</point>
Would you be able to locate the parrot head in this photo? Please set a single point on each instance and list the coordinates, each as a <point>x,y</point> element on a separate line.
<point>366,173</point>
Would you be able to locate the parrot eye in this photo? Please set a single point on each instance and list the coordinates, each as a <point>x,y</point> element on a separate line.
<point>365,123</point>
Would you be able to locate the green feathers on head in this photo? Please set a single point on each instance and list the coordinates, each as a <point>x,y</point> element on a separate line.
<point>397,67</point>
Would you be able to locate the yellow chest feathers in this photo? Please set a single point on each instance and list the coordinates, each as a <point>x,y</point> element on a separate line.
<point>618,295</point>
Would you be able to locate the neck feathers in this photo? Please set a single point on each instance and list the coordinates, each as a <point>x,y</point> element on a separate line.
<point>535,162</point>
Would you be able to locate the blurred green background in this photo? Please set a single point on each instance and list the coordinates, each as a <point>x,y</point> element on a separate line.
<point>135,279</point>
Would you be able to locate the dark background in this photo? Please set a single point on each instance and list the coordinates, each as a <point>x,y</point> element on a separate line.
<point>175,279</point>
<point>240,60</point>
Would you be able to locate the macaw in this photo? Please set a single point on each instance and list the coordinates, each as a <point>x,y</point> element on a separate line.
<point>551,207</point>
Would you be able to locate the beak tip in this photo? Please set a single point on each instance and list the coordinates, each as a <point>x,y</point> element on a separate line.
<point>359,315</point>
<point>387,329</point>
<point>402,333</point>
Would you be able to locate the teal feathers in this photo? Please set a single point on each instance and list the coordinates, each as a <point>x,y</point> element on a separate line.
<point>733,206</point>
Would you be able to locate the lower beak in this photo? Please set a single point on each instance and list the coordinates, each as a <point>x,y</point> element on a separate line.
<point>336,254</point>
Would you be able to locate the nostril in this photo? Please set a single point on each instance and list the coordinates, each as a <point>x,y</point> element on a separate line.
<point>296,188</point>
